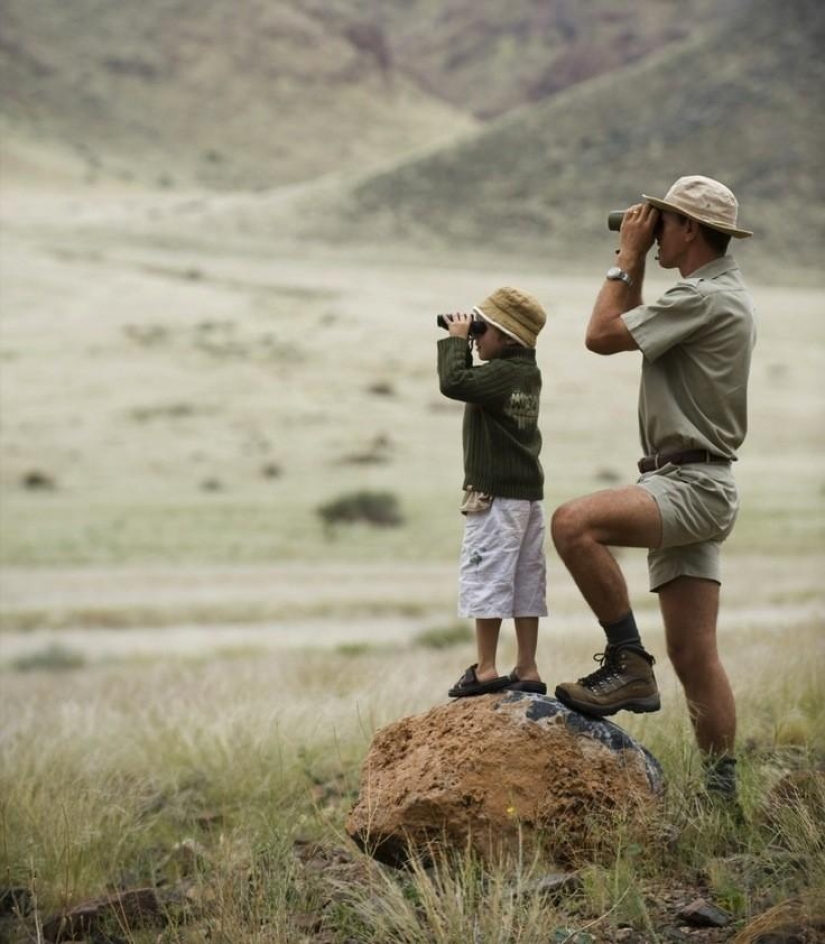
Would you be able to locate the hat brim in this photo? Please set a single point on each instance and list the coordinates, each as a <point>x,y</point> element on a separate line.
<point>713,224</point>
<point>497,324</point>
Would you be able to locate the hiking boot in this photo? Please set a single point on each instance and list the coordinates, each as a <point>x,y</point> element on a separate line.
<point>624,682</point>
<point>720,777</point>
<point>720,791</point>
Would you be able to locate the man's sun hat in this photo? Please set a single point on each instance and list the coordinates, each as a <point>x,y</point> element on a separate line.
<point>515,313</point>
<point>705,200</point>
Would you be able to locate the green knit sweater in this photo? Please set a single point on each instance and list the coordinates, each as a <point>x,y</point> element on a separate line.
<point>501,436</point>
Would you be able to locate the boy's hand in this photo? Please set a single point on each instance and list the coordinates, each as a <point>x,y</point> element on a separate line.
<point>458,325</point>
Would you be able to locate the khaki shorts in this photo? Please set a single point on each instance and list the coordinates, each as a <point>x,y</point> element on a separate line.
<point>698,504</point>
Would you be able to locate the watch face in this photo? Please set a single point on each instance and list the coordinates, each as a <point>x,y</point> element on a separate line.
<point>618,275</point>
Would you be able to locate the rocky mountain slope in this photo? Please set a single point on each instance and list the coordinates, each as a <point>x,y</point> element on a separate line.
<point>260,94</point>
<point>440,123</point>
<point>736,102</point>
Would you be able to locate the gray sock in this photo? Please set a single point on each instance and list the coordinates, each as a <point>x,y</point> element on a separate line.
<point>623,632</point>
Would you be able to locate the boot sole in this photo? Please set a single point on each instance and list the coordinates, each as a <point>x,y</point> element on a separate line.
<point>640,706</point>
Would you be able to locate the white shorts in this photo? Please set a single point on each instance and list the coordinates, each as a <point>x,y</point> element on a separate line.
<point>503,568</point>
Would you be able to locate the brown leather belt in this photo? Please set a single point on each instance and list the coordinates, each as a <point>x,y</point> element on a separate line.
<point>651,463</point>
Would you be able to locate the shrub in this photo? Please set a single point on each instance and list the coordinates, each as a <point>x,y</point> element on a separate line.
<point>442,637</point>
<point>55,658</point>
<point>374,508</point>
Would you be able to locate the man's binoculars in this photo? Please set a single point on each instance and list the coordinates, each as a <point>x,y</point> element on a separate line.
<point>614,220</point>
<point>477,326</point>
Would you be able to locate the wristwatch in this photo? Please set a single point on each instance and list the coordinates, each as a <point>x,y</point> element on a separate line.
<point>615,274</point>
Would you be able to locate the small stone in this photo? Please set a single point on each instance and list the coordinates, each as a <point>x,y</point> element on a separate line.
<point>555,886</point>
<point>14,899</point>
<point>703,914</point>
<point>130,908</point>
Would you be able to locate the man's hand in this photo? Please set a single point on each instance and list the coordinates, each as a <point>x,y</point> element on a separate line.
<point>458,325</point>
<point>606,332</point>
<point>637,234</point>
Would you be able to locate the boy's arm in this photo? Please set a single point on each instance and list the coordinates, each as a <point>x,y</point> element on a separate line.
<point>458,379</point>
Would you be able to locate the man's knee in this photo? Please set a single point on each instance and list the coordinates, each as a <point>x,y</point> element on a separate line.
<point>691,662</point>
<point>567,525</point>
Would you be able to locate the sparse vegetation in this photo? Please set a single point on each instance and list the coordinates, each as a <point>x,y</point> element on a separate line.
<point>444,637</point>
<point>380,509</point>
<point>37,481</point>
<point>236,822</point>
<point>53,658</point>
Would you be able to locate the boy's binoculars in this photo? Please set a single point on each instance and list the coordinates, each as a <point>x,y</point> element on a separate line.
<point>477,326</point>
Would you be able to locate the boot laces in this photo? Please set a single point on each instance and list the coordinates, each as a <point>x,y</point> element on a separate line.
<point>607,671</point>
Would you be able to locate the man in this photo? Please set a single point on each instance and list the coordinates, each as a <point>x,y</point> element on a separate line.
<point>696,343</point>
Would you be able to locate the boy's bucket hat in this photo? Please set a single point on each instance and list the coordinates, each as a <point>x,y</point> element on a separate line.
<point>515,313</point>
<point>705,200</point>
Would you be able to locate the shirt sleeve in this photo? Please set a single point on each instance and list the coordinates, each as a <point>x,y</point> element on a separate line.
<point>460,380</point>
<point>671,320</point>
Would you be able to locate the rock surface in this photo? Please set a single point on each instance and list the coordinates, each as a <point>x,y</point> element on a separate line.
<point>497,773</point>
<point>101,917</point>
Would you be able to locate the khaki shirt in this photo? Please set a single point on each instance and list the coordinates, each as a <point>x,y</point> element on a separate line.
<point>696,341</point>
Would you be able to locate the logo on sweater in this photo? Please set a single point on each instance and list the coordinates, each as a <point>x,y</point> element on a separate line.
<point>523,408</point>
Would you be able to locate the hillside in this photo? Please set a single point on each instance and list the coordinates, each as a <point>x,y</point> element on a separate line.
<point>180,92</point>
<point>382,113</point>
<point>736,102</point>
<point>489,57</point>
<point>199,92</point>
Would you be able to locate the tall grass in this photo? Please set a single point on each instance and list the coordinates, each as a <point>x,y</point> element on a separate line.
<point>225,785</point>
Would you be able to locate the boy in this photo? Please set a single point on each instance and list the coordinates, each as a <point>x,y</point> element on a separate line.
<point>503,570</point>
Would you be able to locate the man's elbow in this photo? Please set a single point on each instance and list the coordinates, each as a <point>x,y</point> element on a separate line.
<point>598,343</point>
<point>609,342</point>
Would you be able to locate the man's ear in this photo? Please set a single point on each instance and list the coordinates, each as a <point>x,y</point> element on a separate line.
<point>691,229</point>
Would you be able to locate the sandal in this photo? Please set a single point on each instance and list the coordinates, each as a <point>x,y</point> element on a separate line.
<point>469,684</point>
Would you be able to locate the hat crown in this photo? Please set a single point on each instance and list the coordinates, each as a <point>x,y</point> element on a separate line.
<point>516,313</point>
<point>705,197</point>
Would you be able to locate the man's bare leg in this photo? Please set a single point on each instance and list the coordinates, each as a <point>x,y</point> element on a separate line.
<point>583,530</point>
<point>690,607</point>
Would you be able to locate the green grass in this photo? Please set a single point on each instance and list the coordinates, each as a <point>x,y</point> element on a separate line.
<point>225,785</point>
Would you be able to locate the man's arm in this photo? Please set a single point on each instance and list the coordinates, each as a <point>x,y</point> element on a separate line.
<point>606,331</point>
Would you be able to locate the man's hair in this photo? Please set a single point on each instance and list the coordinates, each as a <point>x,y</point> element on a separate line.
<point>717,240</point>
<point>714,238</point>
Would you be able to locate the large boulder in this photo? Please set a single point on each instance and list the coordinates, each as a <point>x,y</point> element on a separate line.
<point>500,773</point>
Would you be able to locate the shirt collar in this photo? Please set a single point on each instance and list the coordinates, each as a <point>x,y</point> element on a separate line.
<point>717,267</point>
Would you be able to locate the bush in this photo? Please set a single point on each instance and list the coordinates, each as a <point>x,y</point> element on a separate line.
<point>55,658</point>
<point>443,637</point>
<point>375,508</point>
